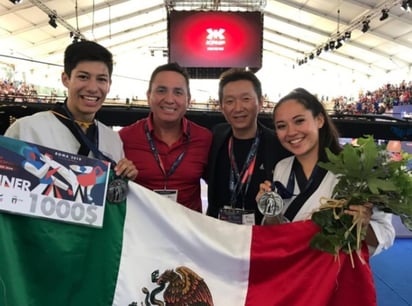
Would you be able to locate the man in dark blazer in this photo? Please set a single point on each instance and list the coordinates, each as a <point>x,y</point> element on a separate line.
<point>243,152</point>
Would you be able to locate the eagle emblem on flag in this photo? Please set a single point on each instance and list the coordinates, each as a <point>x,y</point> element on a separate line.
<point>182,287</point>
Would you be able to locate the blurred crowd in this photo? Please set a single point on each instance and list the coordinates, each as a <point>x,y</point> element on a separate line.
<point>378,101</point>
<point>10,92</point>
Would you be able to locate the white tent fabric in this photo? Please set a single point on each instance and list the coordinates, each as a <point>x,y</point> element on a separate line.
<point>293,29</point>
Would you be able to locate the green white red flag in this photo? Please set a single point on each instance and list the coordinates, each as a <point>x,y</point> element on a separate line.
<point>152,251</point>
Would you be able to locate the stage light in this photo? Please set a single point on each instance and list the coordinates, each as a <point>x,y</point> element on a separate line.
<point>332,45</point>
<point>365,26</point>
<point>319,51</point>
<point>338,44</point>
<point>52,21</point>
<point>406,5</point>
<point>326,48</point>
<point>384,14</point>
<point>348,35</point>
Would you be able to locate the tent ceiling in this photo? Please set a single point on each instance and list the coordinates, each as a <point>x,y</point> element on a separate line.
<point>293,29</point>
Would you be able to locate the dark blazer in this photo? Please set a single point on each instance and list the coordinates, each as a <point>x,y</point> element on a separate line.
<point>272,152</point>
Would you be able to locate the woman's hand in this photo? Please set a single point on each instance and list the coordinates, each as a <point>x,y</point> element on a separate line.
<point>362,212</point>
<point>263,187</point>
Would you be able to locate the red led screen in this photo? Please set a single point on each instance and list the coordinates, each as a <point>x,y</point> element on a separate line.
<point>215,39</point>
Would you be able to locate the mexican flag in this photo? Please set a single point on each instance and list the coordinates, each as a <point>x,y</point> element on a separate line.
<point>152,251</point>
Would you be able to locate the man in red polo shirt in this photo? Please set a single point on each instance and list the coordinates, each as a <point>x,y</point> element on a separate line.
<point>169,151</point>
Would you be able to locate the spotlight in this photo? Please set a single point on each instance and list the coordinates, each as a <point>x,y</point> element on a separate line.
<point>409,5</point>
<point>319,51</point>
<point>406,6</point>
<point>384,14</point>
<point>326,48</point>
<point>338,44</point>
<point>52,21</point>
<point>347,35</point>
<point>332,45</point>
<point>365,26</point>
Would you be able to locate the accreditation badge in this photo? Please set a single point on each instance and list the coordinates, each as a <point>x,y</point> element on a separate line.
<point>171,194</point>
<point>237,215</point>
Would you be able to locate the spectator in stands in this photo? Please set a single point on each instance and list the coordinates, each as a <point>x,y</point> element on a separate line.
<point>243,152</point>
<point>72,127</point>
<point>169,151</point>
<point>304,128</point>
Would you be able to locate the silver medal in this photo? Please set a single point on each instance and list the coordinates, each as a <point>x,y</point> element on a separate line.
<point>270,204</point>
<point>117,190</point>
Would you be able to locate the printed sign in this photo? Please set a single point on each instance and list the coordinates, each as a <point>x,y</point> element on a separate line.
<point>42,182</point>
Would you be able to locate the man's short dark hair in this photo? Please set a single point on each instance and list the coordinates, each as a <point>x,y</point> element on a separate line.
<point>238,74</point>
<point>85,50</point>
<point>170,67</point>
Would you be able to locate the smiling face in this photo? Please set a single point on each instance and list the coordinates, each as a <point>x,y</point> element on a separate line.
<point>168,97</point>
<point>87,88</point>
<point>240,105</point>
<point>297,128</point>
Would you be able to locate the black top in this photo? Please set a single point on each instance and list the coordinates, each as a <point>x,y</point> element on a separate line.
<point>218,171</point>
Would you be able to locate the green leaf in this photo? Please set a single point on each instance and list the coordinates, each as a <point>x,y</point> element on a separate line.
<point>377,185</point>
<point>369,154</point>
<point>365,174</point>
<point>351,160</point>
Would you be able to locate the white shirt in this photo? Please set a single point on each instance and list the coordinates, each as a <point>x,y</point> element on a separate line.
<point>44,129</point>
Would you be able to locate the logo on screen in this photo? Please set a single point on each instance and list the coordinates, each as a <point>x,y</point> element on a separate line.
<point>215,39</point>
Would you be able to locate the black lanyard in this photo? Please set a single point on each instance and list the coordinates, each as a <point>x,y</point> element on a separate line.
<point>296,172</point>
<point>92,145</point>
<point>307,187</point>
<point>239,181</point>
<point>158,159</point>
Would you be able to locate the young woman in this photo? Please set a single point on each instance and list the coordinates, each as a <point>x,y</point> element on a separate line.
<point>304,128</point>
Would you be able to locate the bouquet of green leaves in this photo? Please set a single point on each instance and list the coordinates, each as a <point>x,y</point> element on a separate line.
<point>366,174</point>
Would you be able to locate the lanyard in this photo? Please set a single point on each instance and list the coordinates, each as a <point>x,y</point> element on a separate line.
<point>287,193</point>
<point>158,159</point>
<point>92,145</point>
<point>239,181</point>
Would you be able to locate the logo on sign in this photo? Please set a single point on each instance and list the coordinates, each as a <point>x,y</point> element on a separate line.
<point>215,39</point>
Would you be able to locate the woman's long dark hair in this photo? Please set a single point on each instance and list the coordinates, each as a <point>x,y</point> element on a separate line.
<point>328,133</point>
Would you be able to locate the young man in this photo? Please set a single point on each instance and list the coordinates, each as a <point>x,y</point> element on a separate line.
<point>169,151</point>
<point>72,127</point>
<point>59,247</point>
<point>243,151</point>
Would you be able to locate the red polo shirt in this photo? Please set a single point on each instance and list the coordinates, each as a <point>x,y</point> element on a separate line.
<point>195,143</point>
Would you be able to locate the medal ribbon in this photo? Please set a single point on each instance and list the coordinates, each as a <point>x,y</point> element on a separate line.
<point>118,188</point>
<point>287,193</point>
<point>92,145</point>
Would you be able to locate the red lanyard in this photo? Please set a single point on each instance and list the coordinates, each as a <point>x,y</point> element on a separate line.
<point>158,159</point>
<point>239,182</point>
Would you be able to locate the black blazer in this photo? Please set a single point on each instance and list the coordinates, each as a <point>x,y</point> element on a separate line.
<point>272,152</point>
